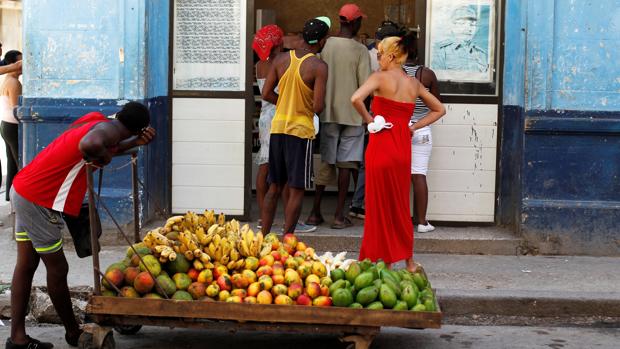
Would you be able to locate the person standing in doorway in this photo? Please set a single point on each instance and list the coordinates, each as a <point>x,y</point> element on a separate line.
<point>10,91</point>
<point>301,78</point>
<point>422,140</point>
<point>342,133</point>
<point>54,183</point>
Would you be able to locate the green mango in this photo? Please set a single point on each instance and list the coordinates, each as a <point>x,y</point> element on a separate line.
<point>420,281</point>
<point>394,286</point>
<point>367,295</point>
<point>365,279</point>
<point>336,285</point>
<point>375,306</point>
<point>353,272</point>
<point>401,305</point>
<point>410,296</point>
<point>366,264</point>
<point>429,304</point>
<point>356,306</point>
<point>387,296</point>
<point>342,297</point>
<point>419,307</point>
<point>337,274</point>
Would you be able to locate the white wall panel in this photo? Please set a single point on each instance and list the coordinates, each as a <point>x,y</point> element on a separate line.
<point>461,177</point>
<point>208,155</point>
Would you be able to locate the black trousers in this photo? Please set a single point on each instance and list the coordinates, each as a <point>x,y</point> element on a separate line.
<point>9,133</point>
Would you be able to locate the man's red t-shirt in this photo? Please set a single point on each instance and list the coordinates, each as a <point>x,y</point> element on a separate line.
<point>56,177</point>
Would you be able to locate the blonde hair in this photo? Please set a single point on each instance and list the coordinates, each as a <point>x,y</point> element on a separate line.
<point>394,46</point>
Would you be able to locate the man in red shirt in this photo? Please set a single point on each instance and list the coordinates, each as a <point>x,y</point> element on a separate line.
<point>54,183</point>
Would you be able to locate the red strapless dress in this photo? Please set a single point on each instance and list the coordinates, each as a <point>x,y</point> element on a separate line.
<point>388,230</point>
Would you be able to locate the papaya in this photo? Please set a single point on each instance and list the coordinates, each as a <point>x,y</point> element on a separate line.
<point>179,265</point>
<point>353,272</point>
<point>365,279</point>
<point>375,306</point>
<point>169,287</point>
<point>410,296</point>
<point>182,296</point>
<point>356,306</point>
<point>342,297</point>
<point>120,265</point>
<point>337,285</point>
<point>337,274</point>
<point>140,248</point>
<point>367,295</point>
<point>387,296</point>
<point>401,305</point>
<point>152,263</point>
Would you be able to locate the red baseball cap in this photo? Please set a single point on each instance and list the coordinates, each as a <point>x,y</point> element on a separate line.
<point>351,12</point>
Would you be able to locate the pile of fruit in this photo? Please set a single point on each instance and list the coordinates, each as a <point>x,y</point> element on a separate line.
<point>373,286</point>
<point>204,257</point>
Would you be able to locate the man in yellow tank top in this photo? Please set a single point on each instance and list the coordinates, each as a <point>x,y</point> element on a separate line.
<point>301,78</point>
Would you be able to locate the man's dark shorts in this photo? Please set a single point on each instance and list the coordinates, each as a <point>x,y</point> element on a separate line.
<point>290,161</point>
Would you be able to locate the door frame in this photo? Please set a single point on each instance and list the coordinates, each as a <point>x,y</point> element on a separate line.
<point>247,95</point>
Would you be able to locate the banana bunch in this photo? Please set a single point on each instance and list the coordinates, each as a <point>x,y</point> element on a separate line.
<point>222,250</point>
<point>173,224</point>
<point>160,245</point>
<point>250,244</point>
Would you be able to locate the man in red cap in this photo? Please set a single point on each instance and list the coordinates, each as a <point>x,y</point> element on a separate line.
<point>342,133</point>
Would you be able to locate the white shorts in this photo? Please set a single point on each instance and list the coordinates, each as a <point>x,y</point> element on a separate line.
<point>421,146</point>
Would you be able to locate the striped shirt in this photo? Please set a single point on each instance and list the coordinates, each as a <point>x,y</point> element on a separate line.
<point>421,109</point>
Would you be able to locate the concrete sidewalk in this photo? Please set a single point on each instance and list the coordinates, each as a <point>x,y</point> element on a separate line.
<point>564,290</point>
<point>498,289</point>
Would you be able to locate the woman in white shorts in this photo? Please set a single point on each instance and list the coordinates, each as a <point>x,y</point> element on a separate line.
<point>421,142</point>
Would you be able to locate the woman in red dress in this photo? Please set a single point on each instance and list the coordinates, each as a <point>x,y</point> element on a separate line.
<point>388,230</point>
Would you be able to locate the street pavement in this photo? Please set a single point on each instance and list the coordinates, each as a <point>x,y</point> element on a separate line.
<point>449,337</point>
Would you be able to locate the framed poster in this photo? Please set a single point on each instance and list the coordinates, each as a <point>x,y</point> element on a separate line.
<point>209,52</point>
<point>461,40</point>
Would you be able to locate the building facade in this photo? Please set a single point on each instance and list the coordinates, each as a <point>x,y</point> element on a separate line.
<point>529,142</point>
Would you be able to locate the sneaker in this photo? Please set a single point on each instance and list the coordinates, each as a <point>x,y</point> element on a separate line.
<point>32,344</point>
<point>304,228</point>
<point>425,228</point>
<point>357,212</point>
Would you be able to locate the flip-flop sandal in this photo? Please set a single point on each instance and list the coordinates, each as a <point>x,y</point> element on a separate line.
<point>314,221</point>
<point>342,225</point>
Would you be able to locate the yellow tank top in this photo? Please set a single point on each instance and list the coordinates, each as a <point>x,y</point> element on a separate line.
<point>294,111</point>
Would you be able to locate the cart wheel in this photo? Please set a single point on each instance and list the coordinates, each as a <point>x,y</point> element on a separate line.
<point>108,341</point>
<point>86,341</point>
<point>99,338</point>
<point>128,330</point>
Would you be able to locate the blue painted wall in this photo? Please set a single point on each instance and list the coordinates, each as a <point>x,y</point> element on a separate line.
<point>565,97</point>
<point>95,56</point>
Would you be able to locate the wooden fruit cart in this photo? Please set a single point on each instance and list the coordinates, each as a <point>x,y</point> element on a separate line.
<point>357,327</point>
